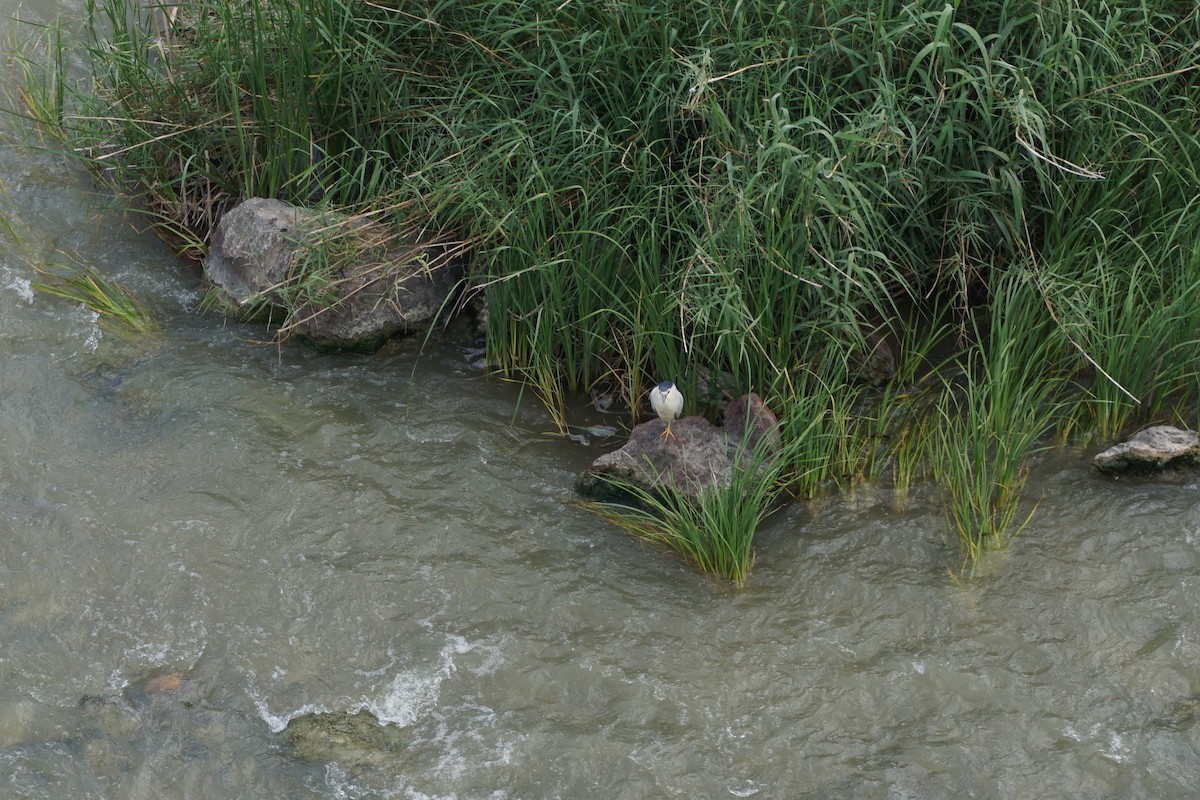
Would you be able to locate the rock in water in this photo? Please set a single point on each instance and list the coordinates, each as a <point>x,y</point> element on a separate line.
<point>1152,450</point>
<point>699,456</point>
<point>355,739</point>
<point>366,282</point>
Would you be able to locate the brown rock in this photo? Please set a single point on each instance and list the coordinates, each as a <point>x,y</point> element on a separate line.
<point>170,683</point>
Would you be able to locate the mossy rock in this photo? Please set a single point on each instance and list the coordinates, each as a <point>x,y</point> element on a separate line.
<point>356,739</point>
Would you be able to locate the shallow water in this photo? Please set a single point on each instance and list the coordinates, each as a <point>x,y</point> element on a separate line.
<point>297,533</point>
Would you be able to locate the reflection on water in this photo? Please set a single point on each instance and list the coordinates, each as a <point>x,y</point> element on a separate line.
<point>211,542</point>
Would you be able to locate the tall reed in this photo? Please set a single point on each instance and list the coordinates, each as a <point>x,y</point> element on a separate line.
<point>996,413</point>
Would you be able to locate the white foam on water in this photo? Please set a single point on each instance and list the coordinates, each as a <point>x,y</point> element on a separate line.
<point>410,696</point>
<point>277,722</point>
<point>94,334</point>
<point>189,298</point>
<point>1118,749</point>
<point>1110,744</point>
<point>381,670</point>
<point>414,693</point>
<point>461,729</point>
<point>343,785</point>
<point>152,653</point>
<point>22,287</point>
<point>748,789</point>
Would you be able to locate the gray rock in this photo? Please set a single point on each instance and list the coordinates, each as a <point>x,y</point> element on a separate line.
<point>372,282</point>
<point>699,456</point>
<point>1152,450</point>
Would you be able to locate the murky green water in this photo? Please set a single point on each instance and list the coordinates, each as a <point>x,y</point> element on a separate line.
<point>205,538</point>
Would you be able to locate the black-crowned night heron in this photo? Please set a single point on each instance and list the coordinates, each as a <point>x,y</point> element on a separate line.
<point>667,402</point>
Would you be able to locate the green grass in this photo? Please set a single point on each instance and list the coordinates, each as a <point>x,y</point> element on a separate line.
<point>995,414</point>
<point>712,528</point>
<point>715,531</point>
<point>747,190</point>
<point>897,421</point>
<point>1134,323</point>
<point>103,295</point>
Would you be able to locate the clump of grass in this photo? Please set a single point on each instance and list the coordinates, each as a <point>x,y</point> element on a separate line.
<point>894,421</point>
<point>713,528</point>
<point>41,89</point>
<point>1134,322</point>
<point>103,295</point>
<point>996,415</point>
<point>713,525</point>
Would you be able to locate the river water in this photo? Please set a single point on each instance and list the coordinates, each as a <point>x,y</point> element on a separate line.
<point>206,538</point>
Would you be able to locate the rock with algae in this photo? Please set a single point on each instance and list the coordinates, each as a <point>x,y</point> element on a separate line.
<point>357,739</point>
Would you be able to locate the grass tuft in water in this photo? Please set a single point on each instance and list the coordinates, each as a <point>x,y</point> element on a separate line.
<point>103,295</point>
<point>714,527</point>
<point>994,414</point>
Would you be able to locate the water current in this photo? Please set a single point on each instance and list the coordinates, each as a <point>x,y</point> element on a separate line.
<point>206,540</point>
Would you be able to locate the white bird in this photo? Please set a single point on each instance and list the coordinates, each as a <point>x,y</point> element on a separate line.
<point>667,402</point>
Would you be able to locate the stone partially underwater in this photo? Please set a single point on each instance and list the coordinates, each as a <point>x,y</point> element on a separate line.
<point>355,738</point>
<point>1155,449</point>
<point>697,457</point>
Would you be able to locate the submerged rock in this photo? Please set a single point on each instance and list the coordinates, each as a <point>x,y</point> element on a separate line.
<point>354,739</point>
<point>1180,714</point>
<point>370,282</point>
<point>1152,450</point>
<point>700,455</point>
<point>117,729</point>
<point>172,683</point>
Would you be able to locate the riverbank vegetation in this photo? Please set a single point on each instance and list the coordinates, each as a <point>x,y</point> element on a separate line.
<point>714,529</point>
<point>934,235</point>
